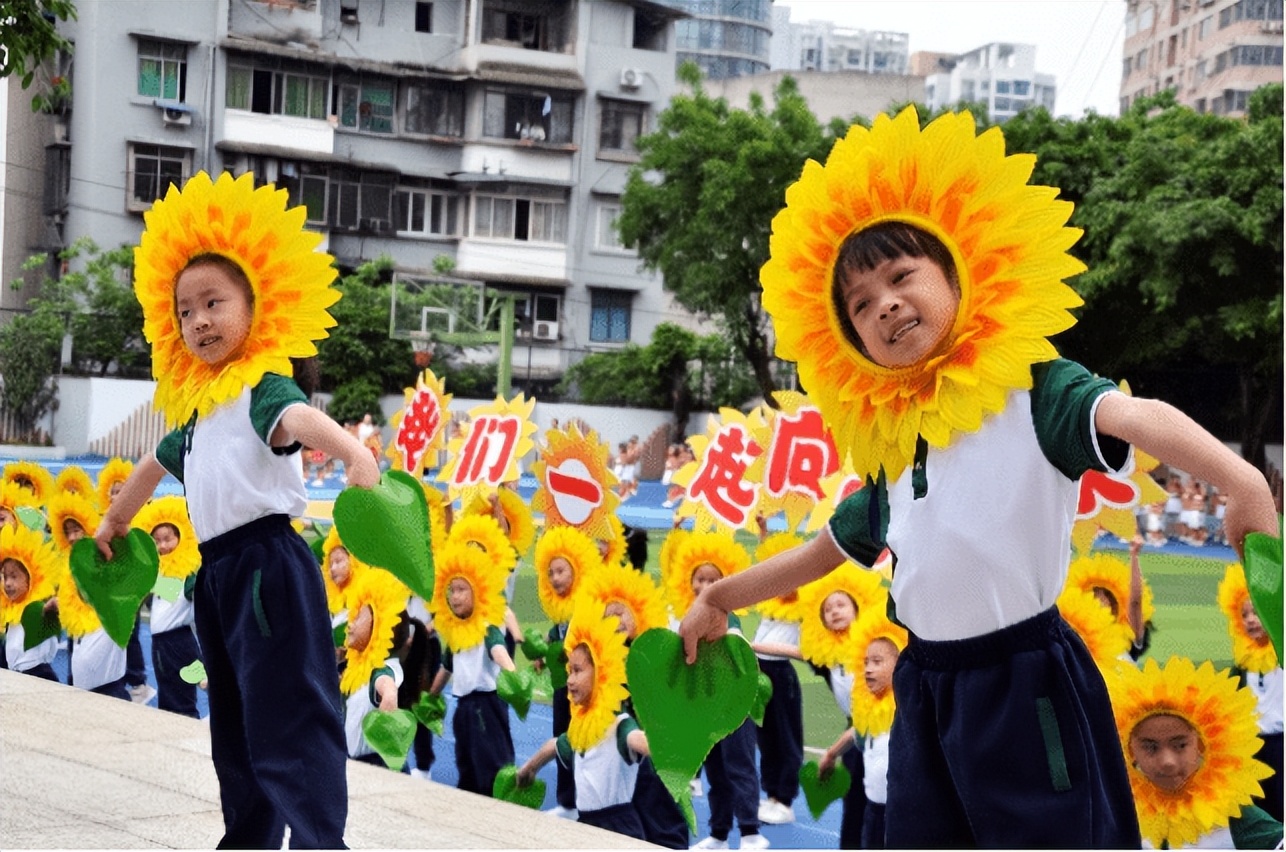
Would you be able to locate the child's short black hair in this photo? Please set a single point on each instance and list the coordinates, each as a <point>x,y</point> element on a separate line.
<point>866,249</point>
<point>227,264</point>
<point>177,534</point>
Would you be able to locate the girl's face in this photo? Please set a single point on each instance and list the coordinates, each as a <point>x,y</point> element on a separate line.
<point>73,530</point>
<point>838,611</point>
<point>1166,749</point>
<point>359,629</point>
<point>881,657</point>
<point>15,579</point>
<point>902,310</point>
<point>214,312</point>
<point>166,538</point>
<point>114,490</point>
<point>460,598</point>
<point>7,517</point>
<point>1104,597</point>
<point>705,575</point>
<point>622,612</point>
<point>560,575</point>
<point>580,676</point>
<point>1250,620</point>
<point>340,570</point>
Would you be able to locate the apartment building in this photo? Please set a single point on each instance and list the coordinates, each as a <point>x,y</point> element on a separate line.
<point>726,38</point>
<point>1211,53</point>
<point>823,46</point>
<point>489,137</point>
<point>1001,75</point>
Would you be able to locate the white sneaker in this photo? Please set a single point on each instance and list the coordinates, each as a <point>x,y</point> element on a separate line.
<point>142,693</point>
<point>668,504</point>
<point>774,812</point>
<point>563,813</point>
<point>425,774</point>
<point>695,786</point>
<point>710,843</point>
<point>754,841</point>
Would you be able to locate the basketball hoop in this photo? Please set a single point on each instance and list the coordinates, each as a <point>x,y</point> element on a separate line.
<point>421,347</point>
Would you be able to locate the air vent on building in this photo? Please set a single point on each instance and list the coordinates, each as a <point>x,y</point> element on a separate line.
<point>631,78</point>
<point>546,331</point>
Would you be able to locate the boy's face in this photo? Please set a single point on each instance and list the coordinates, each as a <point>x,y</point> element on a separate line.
<point>902,310</point>
<point>16,580</point>
<point>114,490</point>
<point>73,530</point>
<point>838,611</point>
<point>359,629</point>
<point>460,598</point>
<point>339,567</point>
<point>881,657</point>
<point>623,614</point>
<point>1166,749</point>
<point>560,575</point>
<point>1250,619</point>
<point>166,539</point>
<point>214,312</point>
<point>580,676</point>
<point>7,517</point>
<point>705,575</point>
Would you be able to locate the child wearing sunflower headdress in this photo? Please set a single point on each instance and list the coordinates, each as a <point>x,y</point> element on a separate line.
<point>1256,665</point>
<point>603,744</point>
<point>73,479</point>
<point>33,477</point>
<point>234,296</point>
<point>1120,590</point>
<point>28,570</point>
<point>174,644</point>
<point>13,497</point>
<point>1189,734</point>
<point>915,279</point>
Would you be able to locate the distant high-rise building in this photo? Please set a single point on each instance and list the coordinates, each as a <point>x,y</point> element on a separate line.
<point>822,46</point>
<point>1000,74</point>
<point>1211,53</point>
<point>726,38</point>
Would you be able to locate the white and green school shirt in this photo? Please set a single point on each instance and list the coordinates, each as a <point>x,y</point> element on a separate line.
<point>230,474</point>
<point>473,670</point>
<point>96,660</point>
<point>364,701</point>
<point>606,772</point>
<point>980,531</point>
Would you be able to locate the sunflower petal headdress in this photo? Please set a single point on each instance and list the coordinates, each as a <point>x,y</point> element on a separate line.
<point>719,549</point>
<point>817,642</point>
<point>1253,655</point>
<point>782,607</point>
<point>117,470</point>
<point>632,589</point>
<point>386,596</point>
<point>13,495</point>
<point>1010,243</point>
<point>581,554</point>
<point>337,598</point>
<point>616,548</point>
<point>75,614</point>
<point>34,477</point>
<point>72,507</point>
<point>1094,623</point>
<point>873,714</point>
<point>73,479</point>
<point>1100,570</point>
<point>484,533</point>
<point>522,529</point>
<point>606,647</point>
<point>1224,718</point>
<point>290,279</point>
<point>487,581</point>
<point>172,509</point>
<point>29,549</point>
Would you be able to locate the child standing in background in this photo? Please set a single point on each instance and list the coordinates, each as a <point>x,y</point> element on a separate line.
<point>174,644</point>
<point>28,566</point>
<point>232,289</point>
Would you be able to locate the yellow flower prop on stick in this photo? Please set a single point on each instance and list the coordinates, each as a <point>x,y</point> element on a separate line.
<point>32,477</point>
<point>1010,244</point>
<point>73,479</point>
<point>1223,717</point>
<point>873,714</point>
<point>695,551</point>
<point>114,473</point>
<point>820,644</point>
<point>798,454</point>
<point>290,280</point>
<point>30,550</point>
<point>486,581</point>
<point>71,507</point>
<point>1252,653</point>
<point>633,590</point>
<point>592,716</point>
<point>581,555</point>
<point>1095,624</point>
<point>499,434</point>
<point>783,607</point>
<point>575,487</point>
<point>185,558</point>
<point>721,488</point>
<point>419,427</point>
<point>386,597</point>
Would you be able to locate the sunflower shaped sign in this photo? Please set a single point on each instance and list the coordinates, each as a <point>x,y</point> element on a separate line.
<point>419,429</point>
<point>387,526</point>
<point>721,487</point>
<point>687,709</point>
<point>799,454</point>
<point>487,455</point>
<point>575,487</point>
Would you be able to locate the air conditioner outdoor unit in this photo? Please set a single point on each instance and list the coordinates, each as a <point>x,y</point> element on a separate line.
<point>176,117</point>
<point>378,226</point>
<point>631,78</point>
<point>546,331</point>
<point>1271,27</point>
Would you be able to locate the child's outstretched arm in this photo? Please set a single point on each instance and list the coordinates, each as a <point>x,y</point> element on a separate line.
<point>826,765</point>
<point>136,491</point>
<point>788,570</point>
<point>501,658</point>
<point>1163,431</point>
<point>637,741</point>
<point>439,681</point>
<point>1134,610</point>
<point>386,689</point>
<point>312,428</point>
<point>543,755</point>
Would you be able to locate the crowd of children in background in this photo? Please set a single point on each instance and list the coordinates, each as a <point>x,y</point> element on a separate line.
<point>1191,514</point>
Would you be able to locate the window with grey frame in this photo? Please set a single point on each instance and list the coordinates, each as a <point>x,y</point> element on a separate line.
<point>162,69</point>
<point>609,315</point>
<point>434,109</point>
<point>366,106</point>
<point>531,115</point>
<point>620,123</point>
<point>273,91</point>
<point>153,169</point>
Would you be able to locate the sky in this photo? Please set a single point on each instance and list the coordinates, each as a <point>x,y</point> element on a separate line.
<point>1078,41</point>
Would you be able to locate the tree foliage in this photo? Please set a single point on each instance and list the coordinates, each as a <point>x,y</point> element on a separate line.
<point>359,347</point>
<point>29,35</point>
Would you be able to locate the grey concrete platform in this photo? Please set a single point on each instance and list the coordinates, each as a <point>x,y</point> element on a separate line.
<point>83,771</point>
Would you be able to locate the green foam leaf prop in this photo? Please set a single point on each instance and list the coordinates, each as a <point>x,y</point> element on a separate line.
<point>534,646</point>
<point>390,733</point>
<point>689,813</point>
<point>193,672</point>
<point>36,626</point>
<point>506,788</point>
<point>818,793</point>
<point>115,588</point>
<point>388,526</point>
<point>686,709</point>
<point>1263,567</point>
<point>514,688</point>
<point>318,547</point>
<point>339,633</point>
<point>556,662</point>
<point>763,694</point>
<point>431,711</point>
<point>167,588</point>
<point>32,517</point>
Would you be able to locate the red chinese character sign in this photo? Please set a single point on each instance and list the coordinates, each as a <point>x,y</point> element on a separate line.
<point>800,454</point>
<point>575,487</point>
<point>722,486</point>
<point>499,434</point>
<point>419,428</point>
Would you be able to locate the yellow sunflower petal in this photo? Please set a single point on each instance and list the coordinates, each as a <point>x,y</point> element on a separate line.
<point>606,647</point>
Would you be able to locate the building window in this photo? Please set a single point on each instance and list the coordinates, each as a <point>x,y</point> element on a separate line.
<point>271,92</point>
<point>621,123</point>
<point>308,187</point>
<point>162,69</point>
<point>609,316</point>
<point>1002,104</point>
<point>434,110</point>
<point>519,26</point>
<point>1002,87</point>
<point>1203,29</point>
<point>152,168</point>
<point>367,106</point>
<point>606,234</point>
<point>501,217</point>
<point>534,116</point>
<point>359,201</point>
<point>649,30</point>
<point>423,17</point>
<point>966,90</point>
<point>425,213</point>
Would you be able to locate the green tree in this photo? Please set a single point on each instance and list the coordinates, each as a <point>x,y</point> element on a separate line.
<point>29,35</point>
<point>355,399</point>
<point>359,347</point>
<point>29,349</point>
<point>699,204</point>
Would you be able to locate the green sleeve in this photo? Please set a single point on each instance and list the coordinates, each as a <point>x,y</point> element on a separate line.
<point>734,621</point>
<point>563,749</point>
<point>861,522</point>
<point>1062,404</point>
<point>171,451</point>
<point>448,658</point>
<point>382,670</point>
<point>493,638</point>
<point>272,396</point>
<point>1255,829</point>
<point>623,731</point>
